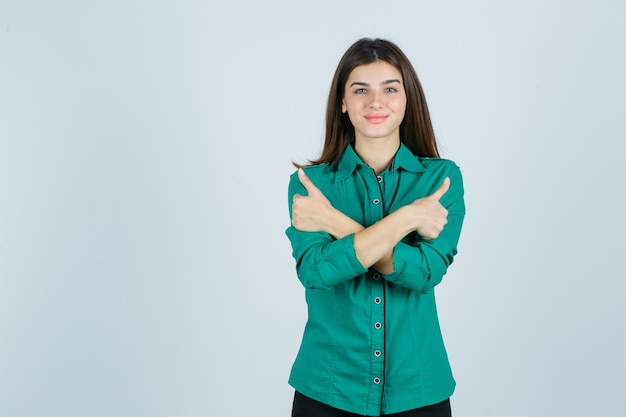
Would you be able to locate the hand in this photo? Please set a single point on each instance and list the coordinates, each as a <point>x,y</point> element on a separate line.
<point>431,216</point>
<point>310,213</point>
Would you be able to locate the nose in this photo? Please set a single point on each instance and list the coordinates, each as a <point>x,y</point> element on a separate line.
<point>376,102</point>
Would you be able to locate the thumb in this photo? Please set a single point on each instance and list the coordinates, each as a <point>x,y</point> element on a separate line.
<point>308,184</point>
<point>445,186</point>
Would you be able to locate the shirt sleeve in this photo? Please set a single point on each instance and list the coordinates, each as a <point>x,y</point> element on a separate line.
<point>422,264</point>
<point>321,260</point>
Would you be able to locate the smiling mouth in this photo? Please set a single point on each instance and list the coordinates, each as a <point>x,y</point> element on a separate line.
<point>376,119</point>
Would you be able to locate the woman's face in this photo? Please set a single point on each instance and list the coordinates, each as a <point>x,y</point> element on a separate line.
<point>375,101</point>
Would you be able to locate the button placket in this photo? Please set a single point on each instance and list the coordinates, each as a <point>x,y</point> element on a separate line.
<point>372,181</point>
<point>377,333</point>
<point>375,211</point>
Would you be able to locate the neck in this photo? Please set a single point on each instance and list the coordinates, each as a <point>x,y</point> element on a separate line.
<point>377,153</point>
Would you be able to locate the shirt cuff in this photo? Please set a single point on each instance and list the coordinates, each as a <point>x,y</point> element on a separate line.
<point>413,267</point>
<point>340,263</point>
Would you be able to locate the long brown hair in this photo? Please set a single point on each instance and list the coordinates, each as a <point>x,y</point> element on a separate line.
<point>416,130</point>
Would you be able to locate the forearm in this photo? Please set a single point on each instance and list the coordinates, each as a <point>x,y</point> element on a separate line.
<point>341,225</point>
<point>374,245</point>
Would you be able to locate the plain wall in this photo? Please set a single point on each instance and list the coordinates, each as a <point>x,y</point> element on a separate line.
<point>145,150</point>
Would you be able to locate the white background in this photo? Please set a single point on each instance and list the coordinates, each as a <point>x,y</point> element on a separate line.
<point>145,149</point>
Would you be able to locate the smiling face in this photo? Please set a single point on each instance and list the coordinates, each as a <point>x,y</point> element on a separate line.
<point>375,101</point>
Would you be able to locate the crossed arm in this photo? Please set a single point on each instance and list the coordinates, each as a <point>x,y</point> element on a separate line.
<point>373,245</point>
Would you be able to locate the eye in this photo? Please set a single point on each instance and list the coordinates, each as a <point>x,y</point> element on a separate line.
<point>360,91</point>
<point>391,90</point>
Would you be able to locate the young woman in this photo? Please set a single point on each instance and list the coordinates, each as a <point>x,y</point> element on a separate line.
<point>375,223</point>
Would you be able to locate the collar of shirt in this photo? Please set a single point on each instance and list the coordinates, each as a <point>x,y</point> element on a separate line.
<point>403,158</point>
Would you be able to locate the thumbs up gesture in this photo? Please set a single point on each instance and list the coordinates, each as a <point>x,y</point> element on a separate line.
<point>430,216</point>
<point>311,213</point>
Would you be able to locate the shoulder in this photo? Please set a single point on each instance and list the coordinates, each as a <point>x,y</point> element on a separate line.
<point>436,169</point>
<point>440,166</point>
<point>438,163</point>
<point>322,172</point>
<point>321,175</point>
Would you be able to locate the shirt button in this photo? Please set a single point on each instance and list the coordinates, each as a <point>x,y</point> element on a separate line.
<point>377,325</point>
<point>377,300</point>
<point>379,178</point>
<point>377,353</point>
<point>376,201</point>
<point>376,276</point>
<point>377,380</point>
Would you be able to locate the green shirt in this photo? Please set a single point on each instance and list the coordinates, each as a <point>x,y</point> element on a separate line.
<point>372,343</point>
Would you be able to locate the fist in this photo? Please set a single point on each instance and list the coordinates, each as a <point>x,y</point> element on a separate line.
<point>310,213</point>
<point>430,216</point>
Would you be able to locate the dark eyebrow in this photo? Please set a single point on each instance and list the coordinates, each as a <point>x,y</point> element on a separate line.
<point>367,85</point>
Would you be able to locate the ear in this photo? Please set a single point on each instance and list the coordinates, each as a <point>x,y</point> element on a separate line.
<point>343,106</point>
